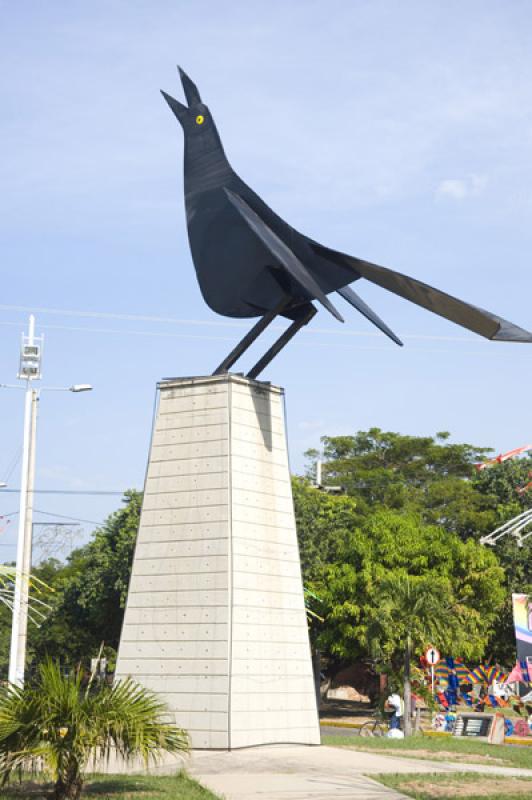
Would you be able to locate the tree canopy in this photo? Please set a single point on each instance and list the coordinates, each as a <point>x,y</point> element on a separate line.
<point>409,494</point>
<point>390,543</point>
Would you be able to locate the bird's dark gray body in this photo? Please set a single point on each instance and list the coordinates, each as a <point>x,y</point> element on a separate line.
<point>237,273</point>
<point>252,263</point>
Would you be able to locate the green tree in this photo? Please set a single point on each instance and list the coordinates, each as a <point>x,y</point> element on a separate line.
<point>423,473</point>
<point>503,482</point>
<point>91,592</point>
<point>438,481</point>
<point>64,723</point>
<point>500,483</point>
<point>391,542</point>
<point>410,613</point>
<point>323,523</point>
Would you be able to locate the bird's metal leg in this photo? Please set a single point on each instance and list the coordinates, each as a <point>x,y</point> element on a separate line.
<point>283,340</point>
<point>250,337</point>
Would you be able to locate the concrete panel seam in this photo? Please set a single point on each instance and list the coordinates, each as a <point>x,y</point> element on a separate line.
<point>200,424</point>
<point>256,524</point>
<point>183,508</point>
<point>180,541</point>
<point>251,444</point>
<point>188,444</point>
<point>252,490</point>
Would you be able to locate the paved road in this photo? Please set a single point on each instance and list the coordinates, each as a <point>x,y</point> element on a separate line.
<point>289,772</point>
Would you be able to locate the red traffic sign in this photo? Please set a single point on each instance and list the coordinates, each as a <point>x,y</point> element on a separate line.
<point>432,655</point>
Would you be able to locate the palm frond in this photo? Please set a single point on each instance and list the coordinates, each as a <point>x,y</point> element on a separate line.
<point>60,721</point>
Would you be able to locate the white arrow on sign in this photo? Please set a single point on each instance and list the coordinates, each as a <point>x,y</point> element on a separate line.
<point>432,655</point>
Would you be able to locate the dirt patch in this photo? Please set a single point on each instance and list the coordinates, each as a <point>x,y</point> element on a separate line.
<point>482,786</point>
<point>447,755</point>
<point>434,755</point>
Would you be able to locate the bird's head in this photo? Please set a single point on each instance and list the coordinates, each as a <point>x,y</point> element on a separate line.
<point>195,118</point>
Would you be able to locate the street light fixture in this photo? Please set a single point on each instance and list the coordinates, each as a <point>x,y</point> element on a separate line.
<point>81,387</point>
<point>29,370</point>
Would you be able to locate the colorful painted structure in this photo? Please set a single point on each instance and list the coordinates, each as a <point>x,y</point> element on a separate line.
<point>522,608</point>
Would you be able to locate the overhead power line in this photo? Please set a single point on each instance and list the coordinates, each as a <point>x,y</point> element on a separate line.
<point>217,338</point>
<point>52,514</point>
<point>128,332</point>
<point>70,312</point>
<point>12,464</point>
<point>66,516</point>
<point>80,313</point>
<point>95,492</point>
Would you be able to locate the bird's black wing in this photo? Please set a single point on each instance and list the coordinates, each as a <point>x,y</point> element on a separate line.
<point>471,317</point>
<point>281,253</point>
<point>352,297</point>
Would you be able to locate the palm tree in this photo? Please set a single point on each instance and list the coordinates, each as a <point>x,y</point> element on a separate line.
<point>410,613</point>
<point>65,723</point>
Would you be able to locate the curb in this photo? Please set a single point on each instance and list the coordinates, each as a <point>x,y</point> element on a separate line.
<point>434,734</point>
<point>328,724</point>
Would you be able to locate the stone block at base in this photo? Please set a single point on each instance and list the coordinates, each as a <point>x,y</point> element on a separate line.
<point>215,618</point>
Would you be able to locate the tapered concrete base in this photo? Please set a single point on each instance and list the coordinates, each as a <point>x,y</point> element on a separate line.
<point>215,618</point>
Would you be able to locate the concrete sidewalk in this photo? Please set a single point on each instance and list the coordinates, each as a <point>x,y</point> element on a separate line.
<point>289,772</point>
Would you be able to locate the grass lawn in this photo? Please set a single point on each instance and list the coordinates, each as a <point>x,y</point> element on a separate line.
<point>445,748</point>
<point>112,787</point>
<point>458,785</point>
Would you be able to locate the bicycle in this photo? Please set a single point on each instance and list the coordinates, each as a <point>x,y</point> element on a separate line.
<point>377,726</point>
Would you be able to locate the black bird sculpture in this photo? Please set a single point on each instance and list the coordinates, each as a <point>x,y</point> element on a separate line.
<point>251,263</point>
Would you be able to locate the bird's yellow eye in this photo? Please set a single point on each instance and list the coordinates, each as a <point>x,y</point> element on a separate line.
<point>200,119</point>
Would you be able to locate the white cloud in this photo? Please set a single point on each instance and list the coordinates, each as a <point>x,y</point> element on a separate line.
<point>460,188</point>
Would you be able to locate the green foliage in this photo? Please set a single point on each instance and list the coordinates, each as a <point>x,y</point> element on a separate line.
<point>89,595</point>
<point>410,609</point>
<point>464,575</point>
<point>377,457</point>
<point>440,502</point>
<point>99,583</point>
<point>91,592</point>
<point>64,723</point>
<point>323,523</point>
<point>422,473</point>
<point>500,483</point>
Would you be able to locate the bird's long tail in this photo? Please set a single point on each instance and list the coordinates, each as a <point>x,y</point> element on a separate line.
<point>445,305</point>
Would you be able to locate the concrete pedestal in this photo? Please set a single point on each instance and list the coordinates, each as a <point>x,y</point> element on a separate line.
<point>215,619</point>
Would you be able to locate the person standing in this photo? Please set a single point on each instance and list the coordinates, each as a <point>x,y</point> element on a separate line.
<point>395,704</point>
<point>452,691</point>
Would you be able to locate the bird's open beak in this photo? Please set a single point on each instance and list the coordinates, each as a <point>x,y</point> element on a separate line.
<point>178,108</point>
<point>189,87</point>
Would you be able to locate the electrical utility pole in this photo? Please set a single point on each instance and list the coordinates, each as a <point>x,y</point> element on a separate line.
<point>29,370</point>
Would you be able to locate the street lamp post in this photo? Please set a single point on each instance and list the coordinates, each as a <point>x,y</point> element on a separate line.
<point>30,370</point>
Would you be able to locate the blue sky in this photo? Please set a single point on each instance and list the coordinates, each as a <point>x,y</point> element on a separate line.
<point>399,132</point>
